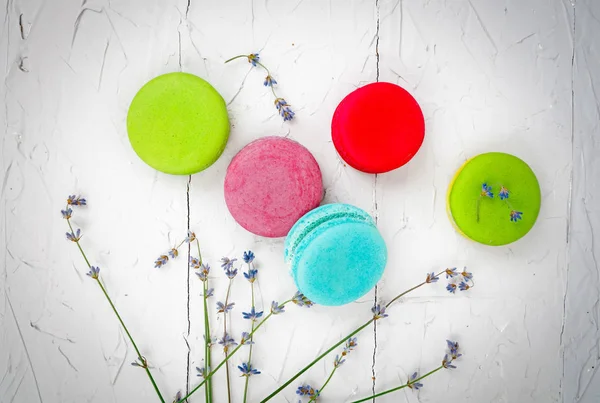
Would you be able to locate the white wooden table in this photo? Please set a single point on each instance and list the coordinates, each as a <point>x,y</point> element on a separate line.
<point>513,76</point>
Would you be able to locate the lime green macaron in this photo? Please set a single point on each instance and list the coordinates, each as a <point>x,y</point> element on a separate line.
<point>178,124</point>
<point>494,199</point>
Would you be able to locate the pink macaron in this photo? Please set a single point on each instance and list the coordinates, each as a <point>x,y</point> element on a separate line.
<point>270,184</point>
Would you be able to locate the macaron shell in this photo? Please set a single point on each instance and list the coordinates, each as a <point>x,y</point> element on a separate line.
<point>494,226</point>
<point>270,184</point>
<point>306,225</point>
<point>378,128</point>
<point>448,212</point>
<point>177,123</point>
<point>341,263</point>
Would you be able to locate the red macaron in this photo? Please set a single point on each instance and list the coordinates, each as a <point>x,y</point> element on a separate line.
<point>378,128</point>
<point>270,184</point>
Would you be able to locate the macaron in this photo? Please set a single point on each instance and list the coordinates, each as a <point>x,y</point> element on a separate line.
<point>336,254</point>
<point>177,123</point>
<point>378,128</point>
<point>494,199</point>
<point>270,184</point>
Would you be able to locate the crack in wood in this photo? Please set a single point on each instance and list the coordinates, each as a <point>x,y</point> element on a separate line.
<point>375,207</point>
<point>189,324</point>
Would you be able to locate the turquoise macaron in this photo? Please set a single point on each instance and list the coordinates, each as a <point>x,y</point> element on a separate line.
<point>336,254</point>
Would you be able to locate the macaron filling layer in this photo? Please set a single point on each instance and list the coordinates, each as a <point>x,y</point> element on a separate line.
<point>336,254</point>
<point>341,263</point>
<point>316,218</point>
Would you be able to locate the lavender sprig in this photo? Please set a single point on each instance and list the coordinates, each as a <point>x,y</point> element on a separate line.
<point>414,381</point>
<point>462,281</point>
<point>301,300</point>
<point>307,390</point>
<point>209,374</point>
<point>337,362</point>
<point>247,370</point>
<point>251,276</point>
<point>284,109</point>
<point>94,273</point>
<point>203,270</point>
<point>230,272</point>
<point>503,194</point>
<point>76,201</point>
<point>253,315</point>
<point>379,312</point>
<point>174,251</point>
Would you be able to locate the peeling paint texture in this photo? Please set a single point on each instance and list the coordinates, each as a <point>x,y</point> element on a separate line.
<point>521,77</point>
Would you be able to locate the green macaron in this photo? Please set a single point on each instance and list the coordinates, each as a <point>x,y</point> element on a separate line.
<point>494,199</point>
<point>178,124</point>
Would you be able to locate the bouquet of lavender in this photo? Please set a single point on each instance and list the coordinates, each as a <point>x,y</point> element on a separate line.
<point>461,281</point>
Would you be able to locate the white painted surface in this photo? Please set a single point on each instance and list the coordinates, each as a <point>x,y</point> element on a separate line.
<point>490,75</point>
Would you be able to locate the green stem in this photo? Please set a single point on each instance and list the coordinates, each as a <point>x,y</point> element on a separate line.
<point>224,336</point>
<point>264,67</point>
<point>235,57</point>
<point>142,360</point>
<point>314,398</point>
<point>199,253</point>
<point>260,64</point>
<point>255,61</point>
<point>478,203</point>
<point>207,342</point>
<point>268,73</point>
<point>235,350</point>
<point>140,357</point>
<point>399,387</point>
<point>313,362</point>
<point>397,297</point>
<point>228,384</point>
<point>207,338</point>
<point>342,341</point>
<point>79,246</point>
<point>251,344</point>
